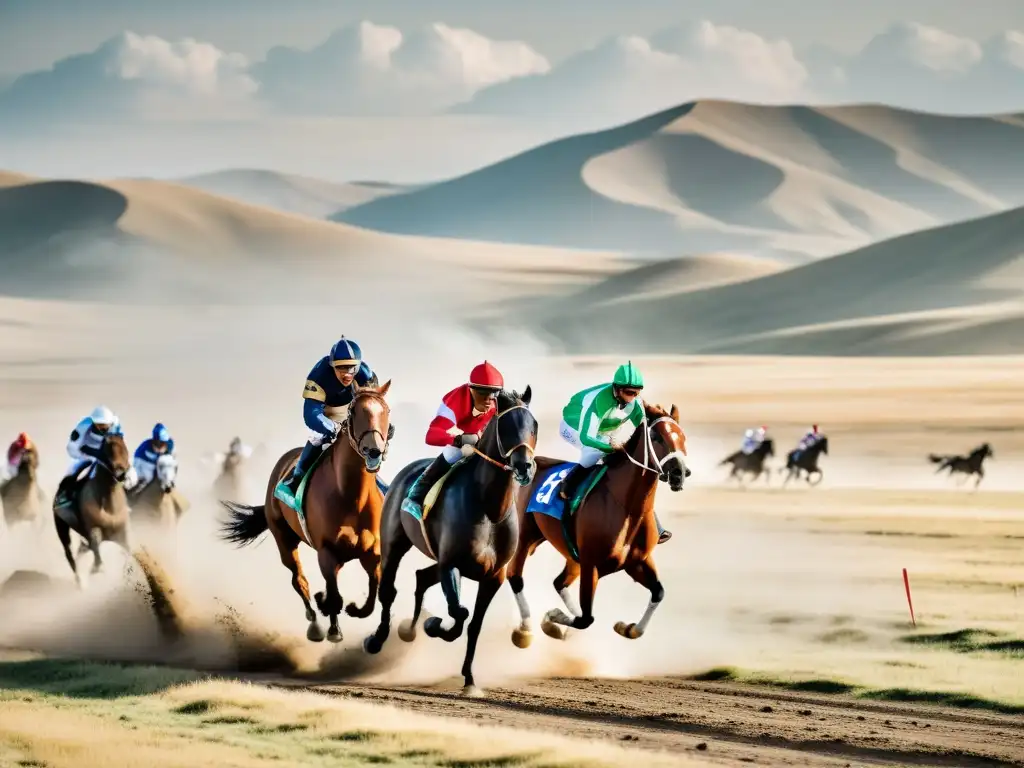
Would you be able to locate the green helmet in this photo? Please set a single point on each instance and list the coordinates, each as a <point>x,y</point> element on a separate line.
<point>628,376</point>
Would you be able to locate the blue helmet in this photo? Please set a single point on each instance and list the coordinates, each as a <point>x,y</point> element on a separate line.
<point>345,353</point>
<point>161,433</point>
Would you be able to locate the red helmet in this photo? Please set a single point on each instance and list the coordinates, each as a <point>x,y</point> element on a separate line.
<point>814,427</point>
<point>486,376</point>
<point>22,440</point>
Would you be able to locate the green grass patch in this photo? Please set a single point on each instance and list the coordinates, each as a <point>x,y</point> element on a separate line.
<point>969,640</point>
<point>944,698</point>
<point>90,680</point>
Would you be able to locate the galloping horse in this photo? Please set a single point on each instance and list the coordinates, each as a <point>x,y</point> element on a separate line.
<point>158,501</point>
<point>750,463</point>
<point>470,530</point>
<point>614,528</point>
<point>21,497</point>
<point>100,512</point>
<point>806,462</point>
<point>229,481</point>
<point>342,504</point>
<point>966,465</point>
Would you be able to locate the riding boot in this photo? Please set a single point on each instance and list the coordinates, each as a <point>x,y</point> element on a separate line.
<point>572,482</point>
<point>64,495</point>
<point>663,535</point>
<point>309,452</point>
<point>413,503</point>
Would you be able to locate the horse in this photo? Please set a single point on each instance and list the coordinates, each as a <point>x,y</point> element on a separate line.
<point>159,501</point>
<point>614,527</point>
<point>966,465</point>
<point>470,530</point>
<point>100,510</point>
<point>806,462</point>
<point>342,511</point>
<point>229,482</point>
<point>750,463</point>
<point>21,497</point>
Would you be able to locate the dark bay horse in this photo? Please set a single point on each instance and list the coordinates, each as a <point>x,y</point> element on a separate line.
<point>159,501</point>
<point>21,497</point>
<point>100,512</point>
<point>471,530</point>
<point>750,463</point>
<point>966,465</point>
<point>806,462</point>
<point>342,511</point>
<point>614,528</point>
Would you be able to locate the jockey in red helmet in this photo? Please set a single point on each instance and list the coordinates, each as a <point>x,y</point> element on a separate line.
<point>15,451</point>
<point>456,428</point>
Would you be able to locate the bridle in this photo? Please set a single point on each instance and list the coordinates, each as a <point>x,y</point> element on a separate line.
<point>502,452</point>
<point>347,424</point>
<point>649,452</point>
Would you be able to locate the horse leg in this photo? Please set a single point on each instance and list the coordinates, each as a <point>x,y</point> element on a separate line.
<point>425,579</point>
<point>288,549</point>
<point>644,573</point>
<point>64,534</point>
<point>529,537</point>
<point>981,474</point>
<point>370,560</point>
<point>330,602</point>
<point>450,579</point>
<point>395,548</point>
<point>563,581</point>
<point>95,539</point>
<point>588,586</point>
<point>486,592</point>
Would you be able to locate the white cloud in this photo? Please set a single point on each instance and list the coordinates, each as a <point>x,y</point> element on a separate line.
<point>371,69</point>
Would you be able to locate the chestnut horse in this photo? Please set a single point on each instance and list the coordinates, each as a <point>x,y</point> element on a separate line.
<point>614,528</point>
<point>21,498</point>
<point>471,530</point>
<point>342,511</point>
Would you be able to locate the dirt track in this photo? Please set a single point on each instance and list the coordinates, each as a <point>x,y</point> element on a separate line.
<point>738,724</point>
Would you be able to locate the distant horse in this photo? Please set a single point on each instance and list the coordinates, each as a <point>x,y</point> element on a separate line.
<point>470,530</point>
<point>21,497</point>
<point>806,462</point>
<point>99,509</point>
<point>342,504</point>
<point>614,527</point>
<point>159,501</point>
<point>229,482</point>
<point>966,465</point>
<point>750,463</point>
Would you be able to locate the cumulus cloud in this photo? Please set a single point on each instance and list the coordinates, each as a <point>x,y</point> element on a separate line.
<point>625,77</point>
<point>133,75</point>
<point>372,69</point>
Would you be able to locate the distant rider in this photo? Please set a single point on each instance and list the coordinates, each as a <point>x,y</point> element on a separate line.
<point>457,426</point>
<point>149,452</point>
<point>807,441</point>
<point>592,419</point>
<point>22,443</point>
<point>330,386</point>
<point>752,439</point>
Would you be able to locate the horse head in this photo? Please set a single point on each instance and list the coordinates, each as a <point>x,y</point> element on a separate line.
<point>167,472</point>
<point>114,456</point>
<point>767,448</point>
<point>368,424</point>
<point>823,445</point>
<point>512,435</point>
<point>29,461</point>
<point>669,443</point>
<point>985,450</point>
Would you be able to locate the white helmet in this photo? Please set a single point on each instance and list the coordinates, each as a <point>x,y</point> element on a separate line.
<point>749,433</point>
<point>102,415</point>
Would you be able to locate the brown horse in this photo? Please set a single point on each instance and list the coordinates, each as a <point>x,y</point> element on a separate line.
<point>614,528</point>
<point>99,510</point>
<point>159,501</point>
<point>342,511</point>
<point>21,497</point>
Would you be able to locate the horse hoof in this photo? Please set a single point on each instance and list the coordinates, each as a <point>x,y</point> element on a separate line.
<point>472,692</point>
<point>432,626</point>
<point>521,638</point>
<point>356,611</point>
<point>407,631</point>
<point>334,635</point>
<point>314,634</point>
<point>556,631</point>
<point>372,644</point>
<point>629,631</point>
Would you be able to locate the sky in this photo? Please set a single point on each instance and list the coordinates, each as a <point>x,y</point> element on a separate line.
<point>415,91</point>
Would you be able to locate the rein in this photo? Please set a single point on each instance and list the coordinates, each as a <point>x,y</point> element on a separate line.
<point>649,452</point>
<point>346,426</point>
<point>504,454</point>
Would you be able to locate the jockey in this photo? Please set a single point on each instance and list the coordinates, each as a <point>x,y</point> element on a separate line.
<point>457,426</point>
<point>752,439</point>
<point>15,451</point>
<point>237,448</point>
<point>84,446</point>
<point>330,386</point>
<point>807,441</point>
<point>149,452</point>
<point>591,419</point>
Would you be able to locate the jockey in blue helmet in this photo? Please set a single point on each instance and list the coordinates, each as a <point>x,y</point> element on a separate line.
<point>330,387</point>
<point>160,443</point>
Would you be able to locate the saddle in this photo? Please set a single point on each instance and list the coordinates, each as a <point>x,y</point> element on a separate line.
<point>435,490</point>
<point>547,501</point>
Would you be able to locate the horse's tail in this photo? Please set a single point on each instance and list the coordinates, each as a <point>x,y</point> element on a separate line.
<point>245,524</point>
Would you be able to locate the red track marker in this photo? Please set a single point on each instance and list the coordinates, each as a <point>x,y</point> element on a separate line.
<point>906,584</point>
